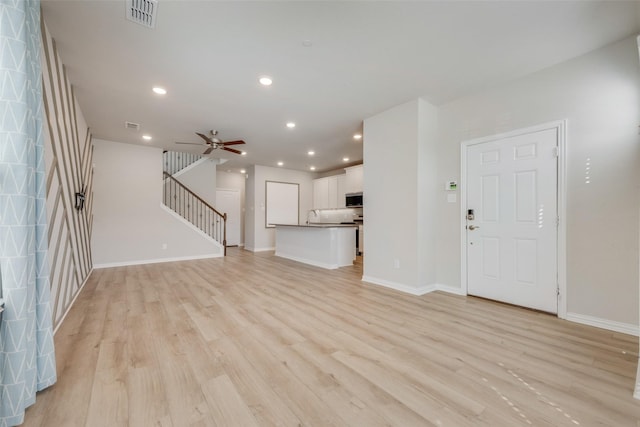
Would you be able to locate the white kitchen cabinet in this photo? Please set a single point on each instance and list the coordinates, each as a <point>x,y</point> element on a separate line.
<point>320,193</point>
<point>353,179</point>
<point>332,184</point>
<point>328,192</point>
<point>322,245</point>
<point>341,180</point>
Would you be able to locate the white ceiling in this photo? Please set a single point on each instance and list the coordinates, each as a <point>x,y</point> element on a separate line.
<point>365,57</point>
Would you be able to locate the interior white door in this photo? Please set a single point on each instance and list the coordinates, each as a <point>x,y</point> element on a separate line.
<point>512,240</point>
<point>228,201</point>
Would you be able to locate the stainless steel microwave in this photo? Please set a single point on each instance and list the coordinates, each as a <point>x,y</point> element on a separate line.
<point>353,200</point>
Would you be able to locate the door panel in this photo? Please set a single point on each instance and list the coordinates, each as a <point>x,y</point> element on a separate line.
<point>512,241</point>
<point>491,257</point>
<point>228,201</point>
<point>490,207</point>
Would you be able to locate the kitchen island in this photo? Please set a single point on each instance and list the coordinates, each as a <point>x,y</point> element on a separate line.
<point>323,245</point>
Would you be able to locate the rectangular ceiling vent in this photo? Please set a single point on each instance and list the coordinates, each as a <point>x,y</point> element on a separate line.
<point>143,12</point>
<point>132,126</point>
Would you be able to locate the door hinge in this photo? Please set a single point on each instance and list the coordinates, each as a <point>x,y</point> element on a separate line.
<point>556,152</point>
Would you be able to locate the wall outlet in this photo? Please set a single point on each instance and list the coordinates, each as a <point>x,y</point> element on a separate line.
<point>396,263</point>
<point>164,246</point>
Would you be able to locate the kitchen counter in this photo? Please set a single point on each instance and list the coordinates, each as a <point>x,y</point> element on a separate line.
<point>317,225</point>
<point>323,245</point>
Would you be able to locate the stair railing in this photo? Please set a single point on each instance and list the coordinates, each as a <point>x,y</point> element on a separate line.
<point>191,207</point>
<point>175,161</point>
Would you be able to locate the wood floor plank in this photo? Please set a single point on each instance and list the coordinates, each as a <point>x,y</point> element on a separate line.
<point>109,398</point>
<point>227,406</point>
<point>266,406</point>
<point>253,339</point>
<point>359,387</point>
<point>147,403</point>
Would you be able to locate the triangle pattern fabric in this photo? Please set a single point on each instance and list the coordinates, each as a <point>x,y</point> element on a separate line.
<point>27,357</point>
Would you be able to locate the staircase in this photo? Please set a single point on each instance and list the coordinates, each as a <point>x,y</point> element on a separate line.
<point>174,161</point>
<point>180,199</point>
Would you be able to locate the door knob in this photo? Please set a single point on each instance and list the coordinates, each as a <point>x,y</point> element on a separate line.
<point>473,227</point>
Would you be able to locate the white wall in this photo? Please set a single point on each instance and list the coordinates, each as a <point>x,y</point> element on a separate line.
<point>201,179</point>
<point>599,95</point>
<point>129,225</point>
<point>250,209</point>
<point>257,236</point>
<point>428,190</point>
<point>399,180</point>
<point>234,181</point>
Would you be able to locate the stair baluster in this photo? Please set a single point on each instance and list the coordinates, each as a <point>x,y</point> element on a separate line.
<point>187,204</point>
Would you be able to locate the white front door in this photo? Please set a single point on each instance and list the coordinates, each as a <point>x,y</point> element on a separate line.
<point>228,201</point>
<point>512,241</point>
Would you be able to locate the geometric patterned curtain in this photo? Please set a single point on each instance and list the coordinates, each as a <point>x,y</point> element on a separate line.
<point>27,358</point>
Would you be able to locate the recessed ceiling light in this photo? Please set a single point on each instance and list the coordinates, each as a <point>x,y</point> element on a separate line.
<point>307,43</point>
<point>244,153</point>
<point>312,168</point>
<point>311,152</point>
<point>265,81</point>
<point>357,136</point>
<point>291,125</point>
<point>243,171</point>
<point>280,163</point>
<point>345,159</point>
<point>160,90</point>
<point>146,137</point>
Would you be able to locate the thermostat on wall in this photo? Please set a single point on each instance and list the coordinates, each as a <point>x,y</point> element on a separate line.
<point>451,185</point>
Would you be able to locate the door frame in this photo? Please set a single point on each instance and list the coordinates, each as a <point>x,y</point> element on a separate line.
<point>235,190</point>
<point>561,127</point>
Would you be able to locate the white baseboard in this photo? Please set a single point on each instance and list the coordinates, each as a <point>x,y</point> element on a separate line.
<point>250,249</point>
<point>155,261</point>
<point>636,393</point>
<point>421,290</point>
<point>399,286</point>
<point>311,262</point>
<point>450,289</point>
<point>73,301</point>
<point>625,328</point>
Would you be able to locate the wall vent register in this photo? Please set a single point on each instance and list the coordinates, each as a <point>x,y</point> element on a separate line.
<point>132,126</point>
<point>142,12</point>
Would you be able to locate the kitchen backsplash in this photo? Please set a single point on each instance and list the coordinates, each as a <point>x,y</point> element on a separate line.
<point>333,216</point>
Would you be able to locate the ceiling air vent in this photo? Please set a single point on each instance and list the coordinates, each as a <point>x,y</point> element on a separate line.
<point>142,12</point>
<point>132,126</point>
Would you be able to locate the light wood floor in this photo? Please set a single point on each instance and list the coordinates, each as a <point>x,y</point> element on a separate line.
<point>257,340</point>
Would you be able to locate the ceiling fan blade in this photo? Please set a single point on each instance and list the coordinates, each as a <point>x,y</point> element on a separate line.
<point>232,150</point>
<point>232,142</point>
<point>189,143</point>
<point>208,150</point>
<point>206,138</point>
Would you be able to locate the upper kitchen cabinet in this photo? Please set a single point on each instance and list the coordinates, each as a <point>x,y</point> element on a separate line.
<point>353,179</point>
<point>320,193</point>
<point>329,192</point>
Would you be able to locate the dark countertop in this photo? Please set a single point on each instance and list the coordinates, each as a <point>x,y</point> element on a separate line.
<point>318,225</point>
